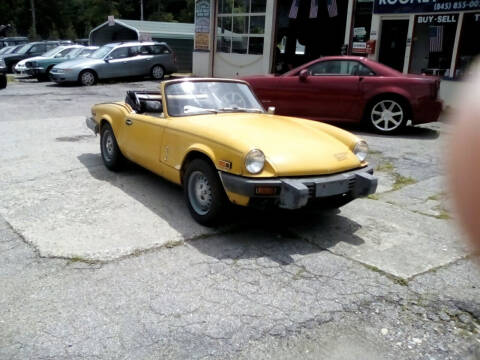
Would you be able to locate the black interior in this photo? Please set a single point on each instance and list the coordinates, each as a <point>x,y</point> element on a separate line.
<point>145,101</point>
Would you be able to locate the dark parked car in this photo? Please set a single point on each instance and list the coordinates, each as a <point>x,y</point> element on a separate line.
<point>3,75</point>
<point>9,50</point>
<point>351,89</point>
<point>27,51</point>
<point>118,60</point>
<point>16,40</point>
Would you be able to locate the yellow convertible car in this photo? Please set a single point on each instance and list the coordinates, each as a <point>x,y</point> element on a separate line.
<point>213,137</point>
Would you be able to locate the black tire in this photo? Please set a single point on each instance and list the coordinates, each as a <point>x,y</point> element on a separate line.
<point>157,72</point>
<point>46,76</point>
<point>10,68</point>
<point>387,115</point>
<point>42,78</point>
<point>204,193</point>
<point>111,155</point>
<point>3,81</point>
<point>87,78</point>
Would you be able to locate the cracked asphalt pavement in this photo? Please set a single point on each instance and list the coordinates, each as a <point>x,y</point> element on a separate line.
<point>111,266</point>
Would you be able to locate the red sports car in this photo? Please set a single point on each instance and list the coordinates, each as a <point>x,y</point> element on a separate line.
<point>351,89</point>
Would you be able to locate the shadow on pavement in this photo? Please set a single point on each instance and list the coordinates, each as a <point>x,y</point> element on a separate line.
<point>244,227</point>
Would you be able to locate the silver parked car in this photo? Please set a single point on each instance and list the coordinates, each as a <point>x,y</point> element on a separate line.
<point>118,60</point>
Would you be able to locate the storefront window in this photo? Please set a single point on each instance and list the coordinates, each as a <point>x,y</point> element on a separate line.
<point>469,46</point>
<point>361,29</point>
<point>433,39</point>
<point>241,26</point>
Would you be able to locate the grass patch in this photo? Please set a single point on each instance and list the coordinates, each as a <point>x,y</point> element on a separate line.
<point>442,213</point>
<point>374,152</point>
<point>401,181</point>
<point>437,197</point>
<point>298,275</point>
<point>395,279</point>
<point>385,167</point>
<point>373,197</point>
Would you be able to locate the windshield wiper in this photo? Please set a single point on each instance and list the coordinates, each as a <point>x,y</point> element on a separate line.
<point>189,109</point>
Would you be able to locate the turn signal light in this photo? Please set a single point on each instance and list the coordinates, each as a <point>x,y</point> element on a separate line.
<point>266,190</point>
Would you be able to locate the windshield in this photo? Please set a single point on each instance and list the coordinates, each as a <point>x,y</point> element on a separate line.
<point>53,52</point>
<point>23,49</point>
<point>86,52</point>
<point>203,97</point>
<point>6,50</point>
<point>74,52</point>
<point>15,49</point>
<point>100,53</point>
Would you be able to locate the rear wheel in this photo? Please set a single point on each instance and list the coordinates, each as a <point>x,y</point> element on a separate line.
<point>204,192</point>
<point>46,76</point>
<point>111,154</point>
<point>387,115</point>
<point>157,72</point>
<point>87,78</point>
<point>3,81</point>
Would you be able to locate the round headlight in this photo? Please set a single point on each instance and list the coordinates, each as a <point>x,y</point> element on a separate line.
<point>361,150</point>
<point>254,161</point>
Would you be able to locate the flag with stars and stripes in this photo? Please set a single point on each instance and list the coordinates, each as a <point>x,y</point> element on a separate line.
<point>332,8</point>
<point>436,38</point>
<point>313,9</point>
<point>294,9</point>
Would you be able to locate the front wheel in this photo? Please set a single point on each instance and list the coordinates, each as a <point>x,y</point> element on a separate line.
<point>87,78</point>
<point>204,193</point>
<point>387,115</point>
<point>111,154</point>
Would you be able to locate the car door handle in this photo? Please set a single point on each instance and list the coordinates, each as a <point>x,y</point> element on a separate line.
<point>128,122</point>
<point>360,78</point>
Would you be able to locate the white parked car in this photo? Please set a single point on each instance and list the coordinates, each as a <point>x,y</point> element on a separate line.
<point>20,68</point>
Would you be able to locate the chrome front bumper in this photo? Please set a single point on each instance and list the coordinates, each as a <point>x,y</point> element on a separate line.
<point>92,124</point>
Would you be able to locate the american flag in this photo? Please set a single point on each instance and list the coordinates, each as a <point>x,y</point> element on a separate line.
<point>294,9</point>
<point>313,9</point>
<point>332,8</point>
<point>436,38</point>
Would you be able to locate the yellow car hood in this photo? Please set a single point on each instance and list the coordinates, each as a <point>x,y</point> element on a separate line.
<point>292,146</point>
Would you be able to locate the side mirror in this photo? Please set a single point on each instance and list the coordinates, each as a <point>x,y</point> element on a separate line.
<point>271,110</point>
<point>303,75</point>
<point>108,58</point>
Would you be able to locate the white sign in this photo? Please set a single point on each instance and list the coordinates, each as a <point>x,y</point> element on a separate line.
<point>359,31</point>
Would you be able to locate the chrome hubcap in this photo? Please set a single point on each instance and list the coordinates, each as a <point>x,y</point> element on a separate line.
<point>157,72</point>
<point>199,193</point>
<point>88,78</point>
<point>387,115</point>
<point>108,146</point>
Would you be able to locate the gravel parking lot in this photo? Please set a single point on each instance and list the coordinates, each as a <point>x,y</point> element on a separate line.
<point>98,264</point>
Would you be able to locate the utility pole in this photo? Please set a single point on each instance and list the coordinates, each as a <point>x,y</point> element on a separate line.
<point>34,23</point>
<point>141,10</point>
